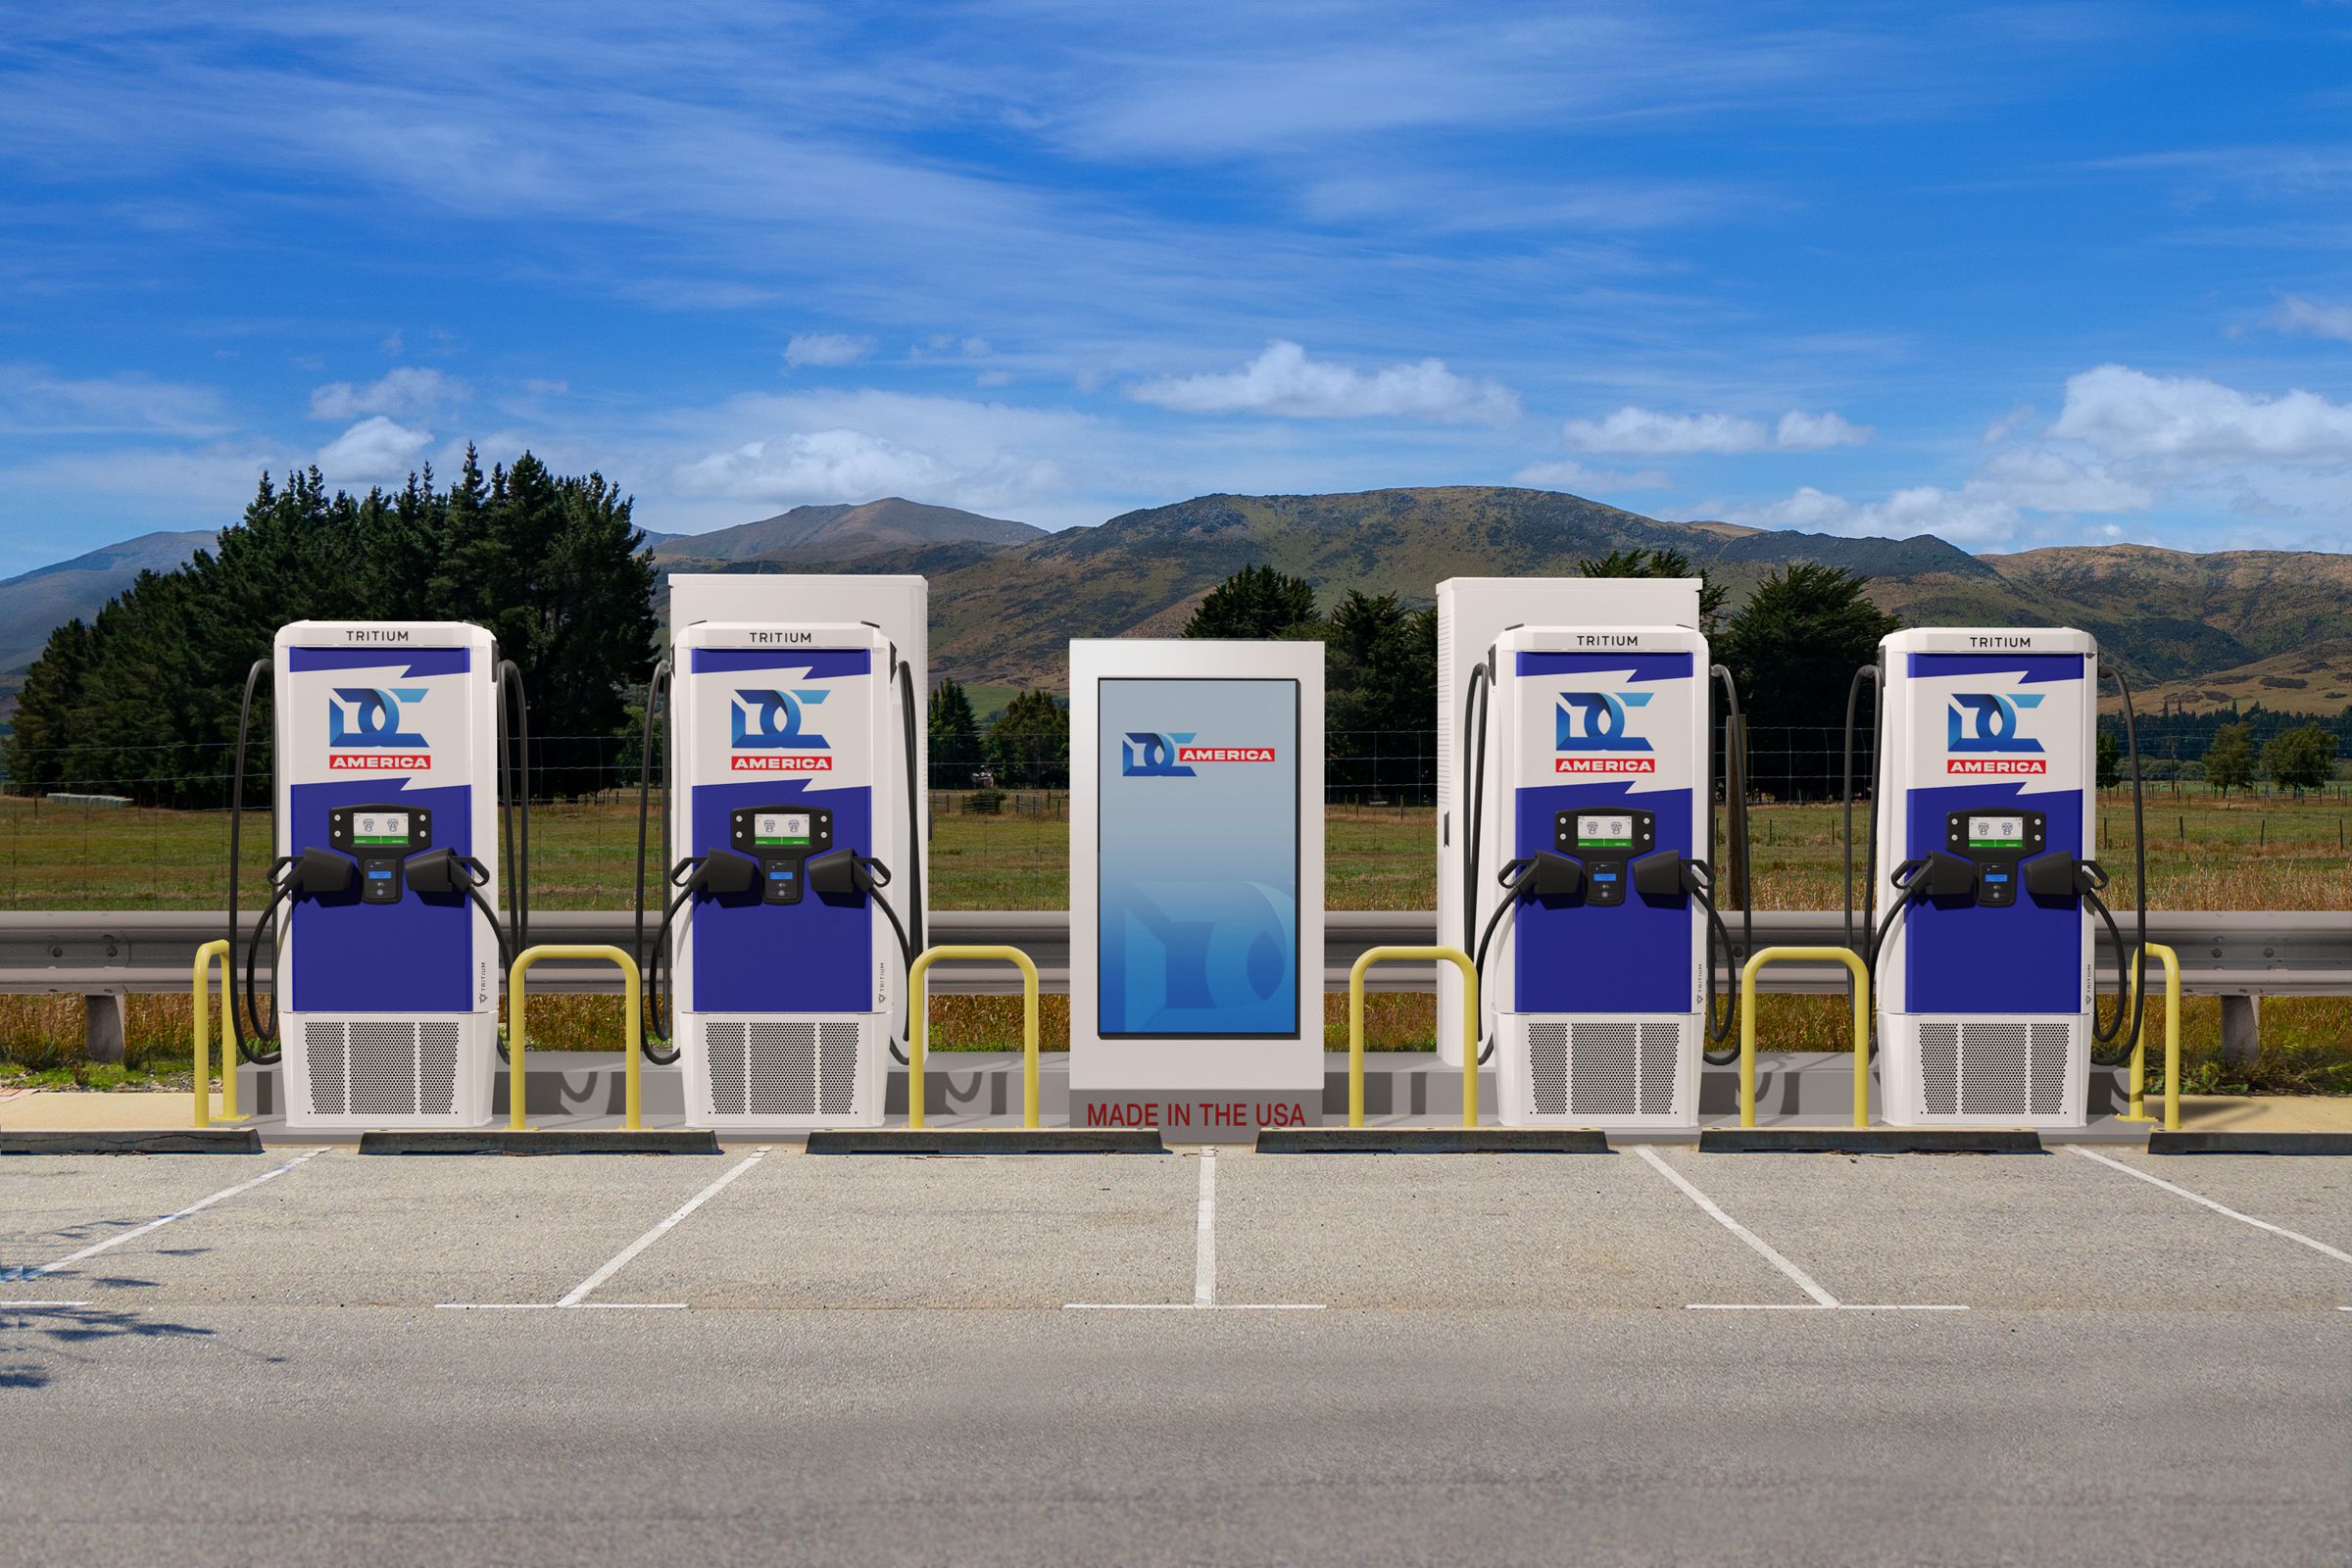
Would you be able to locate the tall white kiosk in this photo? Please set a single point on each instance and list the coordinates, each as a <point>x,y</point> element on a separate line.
<point>1196,885</point>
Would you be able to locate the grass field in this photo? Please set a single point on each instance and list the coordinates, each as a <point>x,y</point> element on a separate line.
<point>2203,853</point>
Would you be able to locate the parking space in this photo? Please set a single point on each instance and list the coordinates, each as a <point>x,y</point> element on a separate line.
<point>849,1232</point>
<point>53,1206</point>
<point>2019,1233</point>
<point>2312,1197</point>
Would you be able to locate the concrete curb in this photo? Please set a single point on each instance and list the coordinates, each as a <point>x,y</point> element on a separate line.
<point>1431,1141</point>
<point>583,1140</point>
<point>1869,1140</point>
<point>95,1141</point>
<point>2249,1142</point>
<point>985,1141</point>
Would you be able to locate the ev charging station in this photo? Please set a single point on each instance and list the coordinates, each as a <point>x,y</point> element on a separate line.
<point>1575,828</point>
<point>797,812</point>
<point>1984,806</point>
<point>387,959</point>
<point>1196,886</point>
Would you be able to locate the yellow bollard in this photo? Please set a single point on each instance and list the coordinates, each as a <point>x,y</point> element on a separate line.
<point>919,1023</point>
<point>1356,1024</point>
<point>1748,1022</point>
<point>2172,1043</point>
<point>199,980</point>
<point>630,1011</point>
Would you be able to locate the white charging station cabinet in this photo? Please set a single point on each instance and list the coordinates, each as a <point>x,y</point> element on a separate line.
<point>1472,613</point>
<point>1196,885</point>
<point>1988,748</point>
<point>788,742</point>
<point>386,746</point>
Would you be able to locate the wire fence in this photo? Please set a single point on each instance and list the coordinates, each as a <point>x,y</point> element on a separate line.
<point>1000,834</point>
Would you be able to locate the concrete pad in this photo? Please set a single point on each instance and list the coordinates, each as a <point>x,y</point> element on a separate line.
<point>2310,1196</point>
<point>55,1111</point>
<point>2054,1232</point>
<point>346,1231</point>
<point>1473,1232</point>
<point>855,1231</point>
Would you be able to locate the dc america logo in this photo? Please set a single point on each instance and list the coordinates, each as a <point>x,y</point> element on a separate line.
<point>1147,754</point>
<point>1589,734</point>
<point>1981,731</point>
<point>364,733</point>
<point>767,735</point>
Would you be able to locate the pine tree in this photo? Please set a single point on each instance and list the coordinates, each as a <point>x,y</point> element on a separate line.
<point>954,737</point>
<point>1029,744</point>
<point>1661,560</point>
<point>1793,649</point>
<point>1258,602</point>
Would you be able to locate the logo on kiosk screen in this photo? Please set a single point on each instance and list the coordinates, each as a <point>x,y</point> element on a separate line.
<point>767,737</point>
<point>1981,732</point>
<point>1148,754</point>
<point>1589,734</point>
<point>364,733</point>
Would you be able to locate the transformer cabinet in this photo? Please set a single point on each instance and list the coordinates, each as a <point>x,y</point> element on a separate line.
<point>387,958</point>
<point>1984,951</point>
<point>796,814</point>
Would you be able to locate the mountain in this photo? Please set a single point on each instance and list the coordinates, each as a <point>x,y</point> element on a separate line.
<point>40,601</point>
<point>843,533</point>
<point>2184,625</point>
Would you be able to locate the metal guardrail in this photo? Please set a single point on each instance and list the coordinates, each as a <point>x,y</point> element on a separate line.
<point>100,952</point>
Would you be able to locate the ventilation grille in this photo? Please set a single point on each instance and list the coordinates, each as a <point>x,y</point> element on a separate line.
<point>782,1067</point>
<point>382,1067</point>
<point>1602,1067</point>
<point>1992,1067</point>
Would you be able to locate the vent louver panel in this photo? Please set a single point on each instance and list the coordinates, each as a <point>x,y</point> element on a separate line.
<point>382,1067</point>
<point>782,1066</point>
<point>1602,1066</point>
<point>1994,1066</point>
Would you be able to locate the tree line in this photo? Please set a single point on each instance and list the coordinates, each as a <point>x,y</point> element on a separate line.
<point>138,699</point>
<point>1792,647</point>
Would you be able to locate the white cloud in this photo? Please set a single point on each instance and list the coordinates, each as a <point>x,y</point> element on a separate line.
<point>1284,381</point>
<point>2003,427</point>
<point>2044,480</point>
<point>34,402</point>
<point>1575,477</point>
<point>406,392</point>
<point>2295,314</point>
<point>377,450</point>
<point>1817,432</point>
<point>826,347</point>
<point>1964,518</point>
<point>1646,433</point>
<point>789,450</point>
<point>2123,413</point>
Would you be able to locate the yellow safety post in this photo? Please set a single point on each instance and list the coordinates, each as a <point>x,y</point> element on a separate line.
<point>2172,1042</point>
<point>199,981</point>
<point>1748,1022</point>
<point>1356,1024</point>
<point>516,1035</point>
<point>919,1021</point>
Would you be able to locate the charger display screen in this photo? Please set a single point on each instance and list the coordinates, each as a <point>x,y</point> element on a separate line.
<point>781,830</point>
<point>1604,832</point>
<point>384,828</point>
<point>1996,832</point>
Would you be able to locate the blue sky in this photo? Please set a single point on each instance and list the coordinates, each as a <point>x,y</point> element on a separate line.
<point>2018,276</point>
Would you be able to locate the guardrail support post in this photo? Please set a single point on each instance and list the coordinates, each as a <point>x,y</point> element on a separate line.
<point>919,1023</point>
<point>1356,1024</point>
<point>1860,986</point>
<point>105,1034</point>
<point>632,1015</point>
<point>2241,1028</point>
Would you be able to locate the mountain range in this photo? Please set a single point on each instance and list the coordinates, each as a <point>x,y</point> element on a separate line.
<point>2201,630</point>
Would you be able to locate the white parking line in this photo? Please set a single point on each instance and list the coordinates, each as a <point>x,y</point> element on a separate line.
<point>2218,1208</point>
<point>1205,1235</point>
<point>1204,1266</point>
<point>576,1297</point>
<point>1822,1300</point>
<point>197,1207</point>
<point>7,1307</point>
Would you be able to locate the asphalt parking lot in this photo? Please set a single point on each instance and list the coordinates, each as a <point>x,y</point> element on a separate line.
<point>1653,1355</point>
